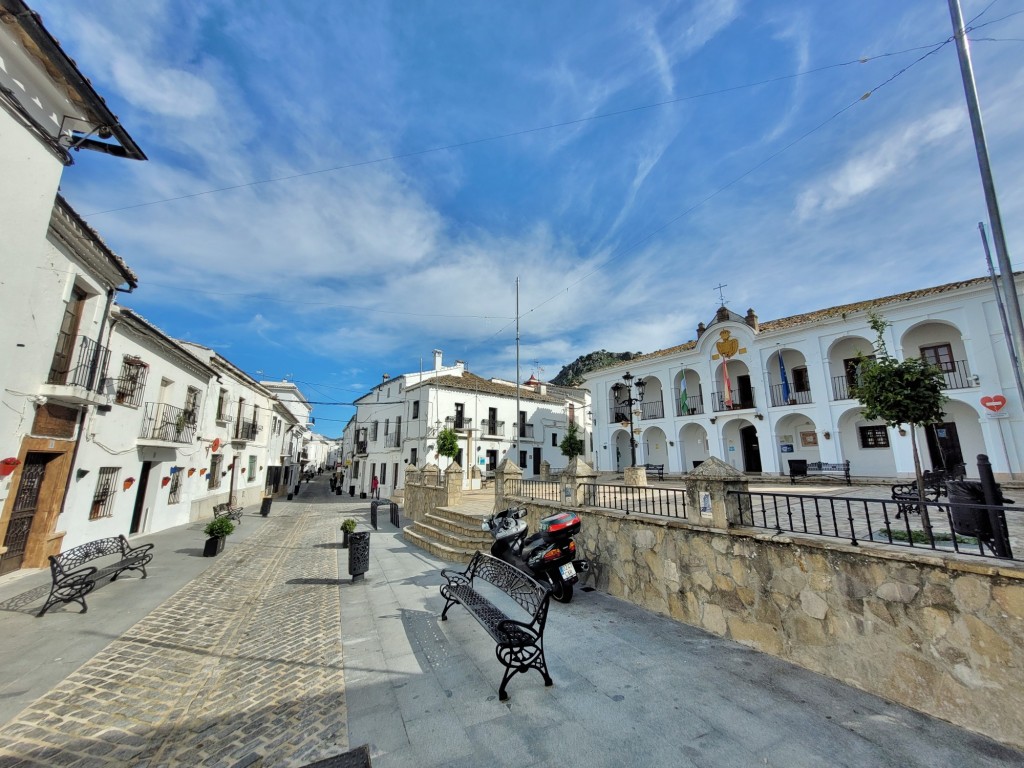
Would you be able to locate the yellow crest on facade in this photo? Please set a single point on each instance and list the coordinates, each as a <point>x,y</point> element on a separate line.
<point>727,347</point>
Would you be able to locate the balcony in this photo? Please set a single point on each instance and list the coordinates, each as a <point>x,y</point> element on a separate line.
<point>362,448</point>
<point>957,375</point>
<point>77,376</point>
<point>739,402</point>
<point>694,406</point>
<point>492,428</point>
<point>795,398</point>
<point>166,424</point>
<point>393,440</point>
<point>618,414</point>
<point>458,423</point>
<point>245,431</point>
<point>526,431</point>
<point>654,409</point>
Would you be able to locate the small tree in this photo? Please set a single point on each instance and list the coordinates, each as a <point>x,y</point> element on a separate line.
<point>448,443</point>
<point>900,392</point>
<point>572,443</point>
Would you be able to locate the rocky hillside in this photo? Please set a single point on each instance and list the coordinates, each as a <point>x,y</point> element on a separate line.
<point>572,374</point>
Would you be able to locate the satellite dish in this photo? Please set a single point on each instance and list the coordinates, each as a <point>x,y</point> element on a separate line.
<point>216,443</point>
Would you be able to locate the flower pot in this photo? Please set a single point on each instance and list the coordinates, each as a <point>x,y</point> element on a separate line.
<point>214,546</point>
<point>265,506</point>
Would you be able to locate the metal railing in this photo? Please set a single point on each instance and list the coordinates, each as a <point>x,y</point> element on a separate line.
<point>958,378</point>
<point>535,489</point>
<point>526,430</point>
<point>167,423</point>
<point>492,428</point>
<point>886,521</point>
<point>632,499</point>
<point>738,402</point>
<point>795,397</point>
<point>618,413</point>
<point>245,430</point>
<point>694,405</point>
<point>85,368</point>
<point>840,388</point>
<point>455,422</point>
<point>654,409</point>
<point>362,447</point>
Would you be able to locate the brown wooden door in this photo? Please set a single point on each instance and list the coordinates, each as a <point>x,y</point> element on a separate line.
<point>62,355</point>
<point>26,501</point>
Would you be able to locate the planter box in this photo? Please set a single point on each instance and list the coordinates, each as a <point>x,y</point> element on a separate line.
<point>214,546</point>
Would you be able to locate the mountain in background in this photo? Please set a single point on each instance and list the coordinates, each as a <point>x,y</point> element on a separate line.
<point>572,374</point>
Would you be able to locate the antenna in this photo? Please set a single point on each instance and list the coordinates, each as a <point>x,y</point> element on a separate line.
<point>721,296</point>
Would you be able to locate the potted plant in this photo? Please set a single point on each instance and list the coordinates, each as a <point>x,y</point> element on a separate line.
<point>348,526</point>
<point>216,530</point>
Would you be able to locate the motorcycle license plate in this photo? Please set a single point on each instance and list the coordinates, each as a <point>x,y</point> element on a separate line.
<point>484,526</point>
<point>567,572</point>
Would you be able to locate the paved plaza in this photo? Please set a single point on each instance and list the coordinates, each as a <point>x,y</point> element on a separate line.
<point>268,655</point>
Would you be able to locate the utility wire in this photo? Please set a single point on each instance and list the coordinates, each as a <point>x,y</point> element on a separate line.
<point>512,134</point>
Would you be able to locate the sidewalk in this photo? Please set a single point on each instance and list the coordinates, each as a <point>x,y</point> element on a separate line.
<point>240,660</point>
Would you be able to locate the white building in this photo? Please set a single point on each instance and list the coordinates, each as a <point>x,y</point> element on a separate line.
<point>59,279</point>
<point>397,423</point>
<point>759,422</point>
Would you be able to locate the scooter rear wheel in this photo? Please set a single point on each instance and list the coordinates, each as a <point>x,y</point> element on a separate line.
<point>561,591</point>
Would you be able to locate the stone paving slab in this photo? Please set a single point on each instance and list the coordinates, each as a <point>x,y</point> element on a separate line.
<point>243,662</point>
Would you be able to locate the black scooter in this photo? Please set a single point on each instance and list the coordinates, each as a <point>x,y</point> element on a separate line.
<point>548,555</point>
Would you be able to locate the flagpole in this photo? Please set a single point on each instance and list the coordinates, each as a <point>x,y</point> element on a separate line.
<point>519,413</point>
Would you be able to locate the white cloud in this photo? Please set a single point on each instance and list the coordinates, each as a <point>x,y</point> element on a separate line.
<point>878,162</point>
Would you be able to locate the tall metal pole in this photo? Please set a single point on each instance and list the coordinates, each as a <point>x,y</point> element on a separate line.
<point>519,413</point>
<point>1014,360</point>
<point>981,147</point>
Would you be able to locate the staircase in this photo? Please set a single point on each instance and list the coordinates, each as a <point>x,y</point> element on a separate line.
<point>449,534</point>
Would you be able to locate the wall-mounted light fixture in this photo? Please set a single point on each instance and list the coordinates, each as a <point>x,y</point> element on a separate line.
<point>759,416</point>
<point>827,435</point>
<point>81,473</point>
<point>714,419</point>
<point>671,442</point>
<point>903,432</point>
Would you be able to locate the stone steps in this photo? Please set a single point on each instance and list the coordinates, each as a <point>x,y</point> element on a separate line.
<point>449,534</point>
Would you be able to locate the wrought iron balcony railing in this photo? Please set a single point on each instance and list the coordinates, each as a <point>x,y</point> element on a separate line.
<point>619,413</point>
<point>245,430</point>
<point>739,402</point>
<point>795,398</point>
<point>456,422</point>
<point>692,407</point>
<point>653,409</point>
<point>168,424</point>
<point>83,365</point>
<point>492,428</point>
<point>362,447</point>
<point>526,431</point>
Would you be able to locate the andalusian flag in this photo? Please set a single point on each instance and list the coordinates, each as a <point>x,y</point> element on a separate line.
<point>683,410</point>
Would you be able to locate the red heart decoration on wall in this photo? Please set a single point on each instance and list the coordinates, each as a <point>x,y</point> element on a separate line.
<point>994,403</point>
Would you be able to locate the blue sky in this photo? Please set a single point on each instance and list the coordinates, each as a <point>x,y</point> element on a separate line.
<point>618,226</point>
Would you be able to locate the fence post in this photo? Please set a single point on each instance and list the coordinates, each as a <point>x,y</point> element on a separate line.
<point>576,476</point>
<point>508,470</point>
<point>453,484</point>
<point>545,470</point>
<point>708,497</point>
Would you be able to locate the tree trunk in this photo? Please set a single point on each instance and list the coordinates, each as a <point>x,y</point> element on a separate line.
<point>926,521</point>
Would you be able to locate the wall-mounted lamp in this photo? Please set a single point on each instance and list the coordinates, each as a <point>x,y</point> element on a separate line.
<point>827,435</point>
<point>605,447</point>
<point>714,419</point>
<point>670,442</point>
<point>903,432</point>
<point>759,416</point>
<point>976,379</point>
<point>81,473</point>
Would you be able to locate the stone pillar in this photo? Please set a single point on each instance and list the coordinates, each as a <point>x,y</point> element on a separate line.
<point>412,475</point>
<point>453,484</point>
<point>707,494</point>
<point>545,470</point>
<point>506,471</point>
<point>635,476</point>
<point>576,475</point>
<point>413,493</point>
<point>431,475</point>
<point>475,476</point>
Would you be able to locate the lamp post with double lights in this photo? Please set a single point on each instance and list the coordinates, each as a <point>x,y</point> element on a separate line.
<point>629,401</point>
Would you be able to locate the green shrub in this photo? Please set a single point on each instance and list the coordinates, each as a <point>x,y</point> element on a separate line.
<point>219,527</point>
<point>348,525</point>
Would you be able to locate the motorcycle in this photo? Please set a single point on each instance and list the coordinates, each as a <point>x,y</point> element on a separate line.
<point>549,555</point>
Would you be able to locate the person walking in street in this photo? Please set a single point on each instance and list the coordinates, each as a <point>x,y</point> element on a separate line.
<point>374,488</point>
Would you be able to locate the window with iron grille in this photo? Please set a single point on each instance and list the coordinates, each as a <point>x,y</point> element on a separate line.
<point>216,462</point>
<point>103,497</point>
<point>174,495</point>
<point>131,382</point>
<point>874,437</point>
<point>251,474</point>
<point>192,405</point>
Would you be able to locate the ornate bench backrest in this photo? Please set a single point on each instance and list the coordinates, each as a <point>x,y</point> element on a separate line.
<point>78,556</point>
<point>525,590</point>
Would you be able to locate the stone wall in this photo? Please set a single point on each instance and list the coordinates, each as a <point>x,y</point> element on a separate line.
<point>943,635</point>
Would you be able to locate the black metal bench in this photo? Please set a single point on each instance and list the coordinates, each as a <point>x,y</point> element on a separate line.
<point>226,510</point>
<point>520,644</point>
<point>800,468</point>
<point>908,500</point>
<point>73,579</point>
<point>659,468</point>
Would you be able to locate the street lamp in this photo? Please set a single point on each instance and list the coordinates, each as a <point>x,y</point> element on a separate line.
<point>629,401</point>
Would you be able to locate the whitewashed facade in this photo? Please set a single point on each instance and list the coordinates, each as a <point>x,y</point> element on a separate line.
<point>684,417</point>
<point>397,423</point>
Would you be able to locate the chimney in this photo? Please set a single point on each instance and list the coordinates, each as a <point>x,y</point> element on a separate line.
<point>385,377</point>
<point>437,359</point>
<point>751,319</point>
<point>700,329</point>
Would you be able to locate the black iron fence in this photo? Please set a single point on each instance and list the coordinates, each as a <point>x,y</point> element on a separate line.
<point>691,407</point>
<point>492,428</point>
<point>953,526</point>
<point>632,499</point>
<point>959,377</point>
<point>535,489</point>
<point>167,423</point>
<point>618,413</point>
<point>740,400</point>
<point>245,430</point>
<point>458,422</point>
<point>654,409</point>
<point>776,395</point>
<point>84,367</point>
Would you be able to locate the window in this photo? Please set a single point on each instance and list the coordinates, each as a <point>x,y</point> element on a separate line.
<point>174,494</point>
<point>216,462</point>
<point>412,456</point>
<point>851,365</point>
<point>801,381</point>
<point>192,405</point>
<point>355,470</point>
<point>223,405</point>
<point>398,429</point>
<point>415,409</point>
<point>874,437</point>
<point>939,355</point>
<point>251,474</point>
<point>383,473</point>
<point>554,439</point>
<point>373,431</point>
<point>103,496</point>
<point>522,459</point>
<point>131,383</point>
<point>387,427</point>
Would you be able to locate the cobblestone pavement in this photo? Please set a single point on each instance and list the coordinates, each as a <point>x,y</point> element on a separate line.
<point>243,662</point>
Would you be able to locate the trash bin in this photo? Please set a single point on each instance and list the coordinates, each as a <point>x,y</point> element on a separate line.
<point>358,554</point>
<point>373,513</point>
<point>291,496</point>
<point>337,490</point>
<point>966,518</point>
<point>265,505</point>
<point>351,490</point>
<point>297,488</point>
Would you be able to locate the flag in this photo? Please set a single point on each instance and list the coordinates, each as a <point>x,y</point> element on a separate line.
<point>727,387</point>
<point>683,410</point>
<point>785,381</point>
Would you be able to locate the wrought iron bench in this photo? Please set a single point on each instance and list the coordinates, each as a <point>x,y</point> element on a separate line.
<point>800,468</point>
<point>908,500</point>
<point>659,468</point>
<point>226,510</point>
<point>73,579</point>
<point>520,644</point>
